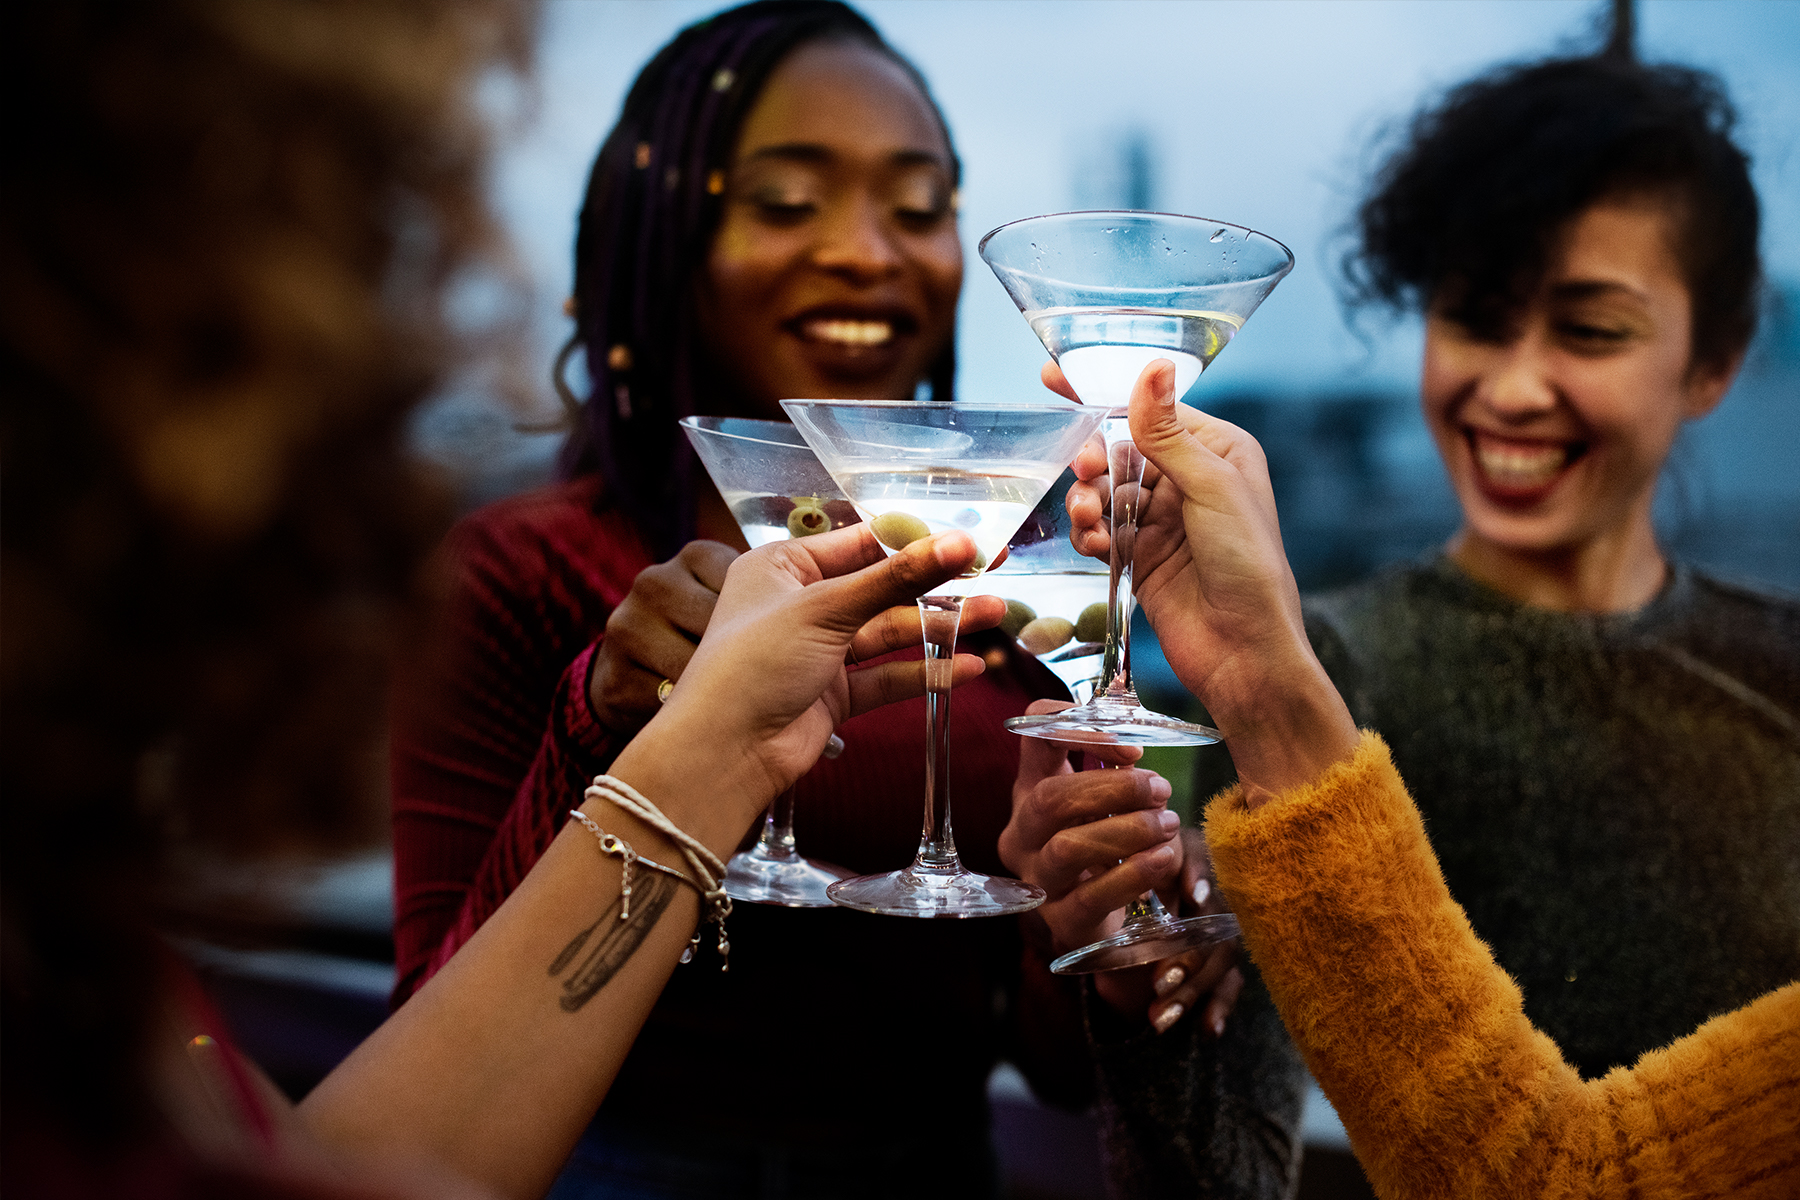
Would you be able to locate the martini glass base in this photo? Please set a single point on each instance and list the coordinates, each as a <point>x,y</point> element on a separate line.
<point>752,878</point>
<point>925,893</point>
<point>1134,947</point>
<point>1114,721</point>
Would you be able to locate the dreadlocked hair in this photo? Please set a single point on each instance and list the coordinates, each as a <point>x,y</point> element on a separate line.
<point>654,200</point>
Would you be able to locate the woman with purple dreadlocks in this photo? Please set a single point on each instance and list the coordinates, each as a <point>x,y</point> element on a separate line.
<point>773,215</point>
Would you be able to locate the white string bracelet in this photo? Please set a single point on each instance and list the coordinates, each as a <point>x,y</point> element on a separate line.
<point>612,843</point>
<point>630,859</point>
<point>709,869</point>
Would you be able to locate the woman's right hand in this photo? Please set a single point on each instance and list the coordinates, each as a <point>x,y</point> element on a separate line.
<point>1210,573</point>
<point>776,672</point>
<point>651,635</point>
<point>1097,840</point>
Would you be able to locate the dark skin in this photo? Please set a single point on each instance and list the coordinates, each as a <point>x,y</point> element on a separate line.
<point>1097,840</point>
<point>834,272</point>
<point>1094,849</point>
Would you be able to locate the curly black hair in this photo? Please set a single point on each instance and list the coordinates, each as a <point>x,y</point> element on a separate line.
<point>646,222</point>
<point>1465,215</point>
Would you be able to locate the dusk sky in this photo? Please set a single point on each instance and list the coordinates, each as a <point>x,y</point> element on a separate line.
<point>1259,112</point>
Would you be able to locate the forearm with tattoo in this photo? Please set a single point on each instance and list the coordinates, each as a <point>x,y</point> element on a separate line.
<point>618,940</point>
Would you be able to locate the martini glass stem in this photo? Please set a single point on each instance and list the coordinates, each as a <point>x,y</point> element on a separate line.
<point>777,840</point>
<point>1147,910</point>
<point>1125,469</point>
<point>940,616</point>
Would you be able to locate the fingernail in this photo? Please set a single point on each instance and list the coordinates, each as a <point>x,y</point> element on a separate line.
<point>1169,980</point>
<point>1159,788</point>
<point>1169,821</point>
<point>1202,889</point>
<point>945,555</point>
<point>1218,1025</point>
<point>1169,1016</point>
<point>834,746</point>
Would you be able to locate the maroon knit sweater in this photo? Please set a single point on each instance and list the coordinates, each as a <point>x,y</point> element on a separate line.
<point>494,741</point>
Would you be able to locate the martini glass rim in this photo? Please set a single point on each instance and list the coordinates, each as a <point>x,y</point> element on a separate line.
<point>981,246</point>
<point>944,405</point>
<point>694,422</point>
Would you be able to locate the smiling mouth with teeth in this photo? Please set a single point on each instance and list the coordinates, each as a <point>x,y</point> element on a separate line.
<point>1520,466</point>
<point>849,333</point>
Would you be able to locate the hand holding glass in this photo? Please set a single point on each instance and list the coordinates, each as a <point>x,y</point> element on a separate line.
<point>913,469</point>
<point>776,489</point>
<point>1109,293</point>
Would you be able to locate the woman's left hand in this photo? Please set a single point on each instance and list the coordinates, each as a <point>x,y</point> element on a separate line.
<point>772,677</point>
<point>1210,973</point>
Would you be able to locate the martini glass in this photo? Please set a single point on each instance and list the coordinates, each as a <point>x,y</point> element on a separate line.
<point>1109,293</point>
<point>913,469</point>
<point>1055,596</point>
<point>776,489</point>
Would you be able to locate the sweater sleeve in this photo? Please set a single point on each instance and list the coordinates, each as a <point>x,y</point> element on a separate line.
<point>1421,1042</point>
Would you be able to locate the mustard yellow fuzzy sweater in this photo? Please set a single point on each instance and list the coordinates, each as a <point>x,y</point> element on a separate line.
<point>1421,1043</point>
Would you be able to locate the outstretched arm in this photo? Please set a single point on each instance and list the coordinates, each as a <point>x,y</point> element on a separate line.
<point>1422,1043</point>
<point>1413,1031</point>
<point>498,1063</point>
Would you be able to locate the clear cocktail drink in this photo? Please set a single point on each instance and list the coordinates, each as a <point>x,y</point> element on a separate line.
<point>776,489</point>
<point>914,469</point>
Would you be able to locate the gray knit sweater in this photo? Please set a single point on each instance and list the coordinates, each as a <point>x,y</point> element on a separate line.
<point>1615,799</point>
<point>1186,1114</point>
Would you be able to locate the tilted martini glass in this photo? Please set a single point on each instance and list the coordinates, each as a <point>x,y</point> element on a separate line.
<point>1109,293</point>
<point>776,489</point>
<point>913,469</point>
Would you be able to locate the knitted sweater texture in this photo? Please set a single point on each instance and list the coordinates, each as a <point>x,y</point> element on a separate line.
<point>1615,799</point>
<point>1422,1042</point>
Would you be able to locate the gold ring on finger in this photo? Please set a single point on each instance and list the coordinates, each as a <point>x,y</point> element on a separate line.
<point>663,689</point>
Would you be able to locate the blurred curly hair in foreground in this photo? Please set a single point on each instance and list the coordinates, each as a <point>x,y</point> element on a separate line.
<point>227,232</point>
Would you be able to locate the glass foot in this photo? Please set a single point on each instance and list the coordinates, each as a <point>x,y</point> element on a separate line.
<point>1146,943</point>
<point>1115,721</point>
<point>752,878</point>
<point>917,892</point>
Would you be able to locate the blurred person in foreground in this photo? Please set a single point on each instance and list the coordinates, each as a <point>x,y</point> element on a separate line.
<point>1419,1038</point>
<point>226,233</point>
<point>1605,744</point>
<point>773,215</point>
